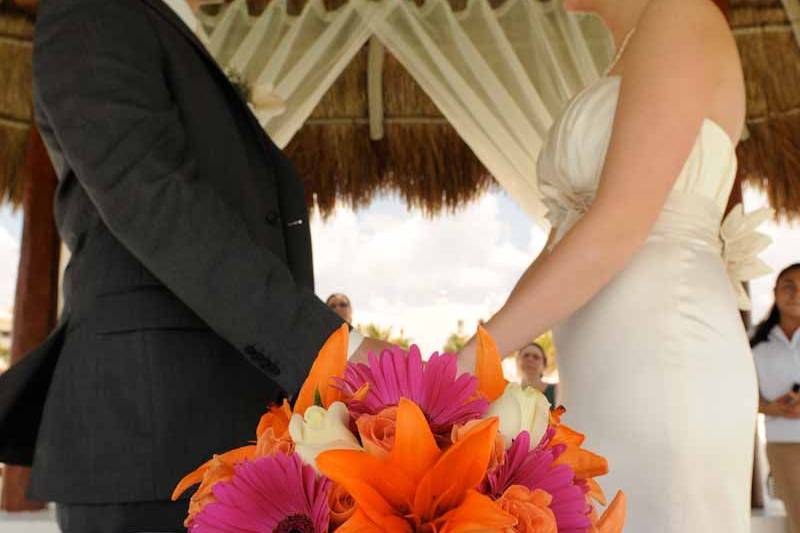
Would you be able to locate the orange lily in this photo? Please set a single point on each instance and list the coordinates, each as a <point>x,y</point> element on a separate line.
<point>585,463</point>
<point>219,468</point>
<point>595,492</point>
<point>489,367</point>
<point>613,518</point>
<point>417,486</point>
<point>331,362</point>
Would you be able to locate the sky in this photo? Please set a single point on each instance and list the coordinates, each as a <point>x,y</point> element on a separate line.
<point>10,235</point>
<point>421,275</point>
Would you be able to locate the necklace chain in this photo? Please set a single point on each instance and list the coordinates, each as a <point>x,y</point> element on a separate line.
<point>620,50</point>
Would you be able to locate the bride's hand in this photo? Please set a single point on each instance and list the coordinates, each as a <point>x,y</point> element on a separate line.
<point>466,358</point>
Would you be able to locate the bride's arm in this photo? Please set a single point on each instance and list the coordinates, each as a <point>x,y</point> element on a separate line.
<point>671,76</point>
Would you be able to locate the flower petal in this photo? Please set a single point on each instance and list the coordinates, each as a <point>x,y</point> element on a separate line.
<point>476,513</point>
<point>585,463</point>
<point>231,457</point>
<point>457,471</point>
<point>613,518</point>
<point>488,367</point>
<point>360,523</point>
<point>378,489</point>
<point>330,363</point>
<point>415,450</point>
<point>276,418</point>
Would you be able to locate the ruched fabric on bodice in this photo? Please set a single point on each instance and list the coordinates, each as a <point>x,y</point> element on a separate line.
<point>572,159</point>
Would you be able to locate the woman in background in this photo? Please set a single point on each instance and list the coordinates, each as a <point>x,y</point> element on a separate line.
<point>776,347</point>
<point>340,304</point>
<point>531,365</point>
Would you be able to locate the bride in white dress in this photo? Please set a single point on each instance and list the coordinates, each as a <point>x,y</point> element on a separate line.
<point>654,361</point>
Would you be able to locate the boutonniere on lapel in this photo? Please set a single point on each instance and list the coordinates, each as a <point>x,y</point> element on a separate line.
<point>261,98</point>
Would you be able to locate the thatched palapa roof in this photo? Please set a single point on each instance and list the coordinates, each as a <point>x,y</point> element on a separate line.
<point>770,157</point>
<point>420,156</point>
<point>16,34</point>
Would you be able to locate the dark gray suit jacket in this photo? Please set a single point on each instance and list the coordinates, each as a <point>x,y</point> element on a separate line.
<point>189,301</point>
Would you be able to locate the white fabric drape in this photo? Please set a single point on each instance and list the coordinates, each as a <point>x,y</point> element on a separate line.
<point>498,75</point>
<point>289,61</point>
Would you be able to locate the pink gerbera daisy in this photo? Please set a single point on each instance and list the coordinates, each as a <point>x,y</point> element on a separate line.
<point>277,494</point>
<point>534,469</point>
<point>446,399</point>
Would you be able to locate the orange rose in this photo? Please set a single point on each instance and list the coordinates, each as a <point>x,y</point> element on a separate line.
<point>377,431</point>
<point>460,431</point>
<point>273,431</point>
<point>531,509</point>
<point>342,505</point>
<point>269,444</point>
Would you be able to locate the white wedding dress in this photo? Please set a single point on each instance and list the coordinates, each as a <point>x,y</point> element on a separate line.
<point>656,369</point>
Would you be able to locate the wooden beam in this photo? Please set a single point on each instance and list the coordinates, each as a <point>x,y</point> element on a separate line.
<point>375,61</point>
<point>37,288</point>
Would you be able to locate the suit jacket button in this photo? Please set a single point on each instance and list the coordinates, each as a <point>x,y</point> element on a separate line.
<point>272,368</point>
<point>272,218</point>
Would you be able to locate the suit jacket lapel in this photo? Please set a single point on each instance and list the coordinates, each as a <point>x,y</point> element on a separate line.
<point>170,16</point>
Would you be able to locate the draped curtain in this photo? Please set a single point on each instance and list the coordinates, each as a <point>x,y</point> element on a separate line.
<point>498,75</point>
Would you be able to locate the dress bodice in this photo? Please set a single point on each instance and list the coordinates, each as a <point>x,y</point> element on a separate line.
<point>572,160</point>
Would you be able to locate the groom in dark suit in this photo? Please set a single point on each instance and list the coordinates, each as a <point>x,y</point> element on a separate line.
<point>189,301</point>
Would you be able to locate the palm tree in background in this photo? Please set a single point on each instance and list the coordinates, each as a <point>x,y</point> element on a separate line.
<point>385,334</point>
<point>457,339</point>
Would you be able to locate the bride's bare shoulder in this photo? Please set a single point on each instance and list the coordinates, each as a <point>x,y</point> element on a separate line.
<point>691,39</point>
<point>696,19</point>
<point>686,34</point>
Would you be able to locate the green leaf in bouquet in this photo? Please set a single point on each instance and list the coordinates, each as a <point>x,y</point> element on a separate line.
<point>318,398</point>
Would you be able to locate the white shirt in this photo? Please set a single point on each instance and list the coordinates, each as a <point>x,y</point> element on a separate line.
<point>778,366</point>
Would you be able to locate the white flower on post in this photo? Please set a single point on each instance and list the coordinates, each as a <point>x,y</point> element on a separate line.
<point>521,409</point>
<point>741,244</point>
<point>321,430</point>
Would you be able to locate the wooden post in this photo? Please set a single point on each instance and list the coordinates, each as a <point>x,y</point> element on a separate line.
<point>36,299</point>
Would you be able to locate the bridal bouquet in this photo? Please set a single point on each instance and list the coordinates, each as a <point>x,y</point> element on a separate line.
<point>400,445</point>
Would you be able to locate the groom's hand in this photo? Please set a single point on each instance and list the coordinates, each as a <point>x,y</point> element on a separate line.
<point>367,346</point>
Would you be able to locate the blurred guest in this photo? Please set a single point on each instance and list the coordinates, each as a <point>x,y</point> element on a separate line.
<point>340,304</point>
<point>776,347</point>
<point>531,364</point>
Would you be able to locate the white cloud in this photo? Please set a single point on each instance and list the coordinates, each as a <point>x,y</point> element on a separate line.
<point>9,258</point>
<point>417,274</point>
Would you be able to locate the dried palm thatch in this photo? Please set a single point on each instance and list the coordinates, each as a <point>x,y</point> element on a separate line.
<point>16,33</point>
<point>769,157</point>
<point>420,156</point>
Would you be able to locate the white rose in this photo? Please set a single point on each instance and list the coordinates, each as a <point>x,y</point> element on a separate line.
<point>521,410</point>
<point>322,430</point>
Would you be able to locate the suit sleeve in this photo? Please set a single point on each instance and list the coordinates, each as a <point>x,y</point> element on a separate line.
<point>99,83</point>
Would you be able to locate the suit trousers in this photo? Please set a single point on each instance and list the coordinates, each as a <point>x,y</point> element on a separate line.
<point>136,517</point>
